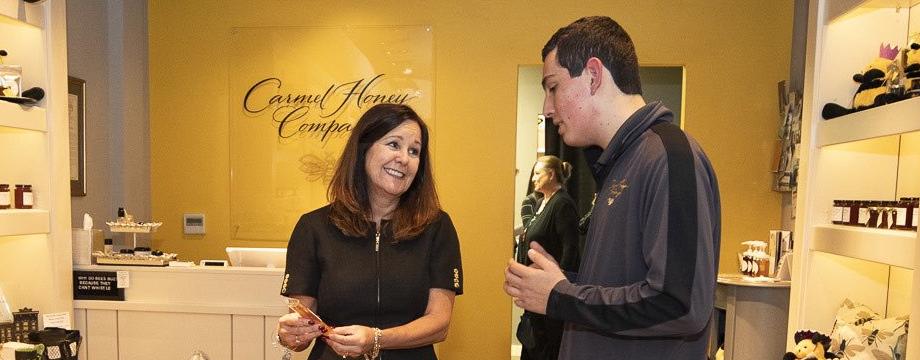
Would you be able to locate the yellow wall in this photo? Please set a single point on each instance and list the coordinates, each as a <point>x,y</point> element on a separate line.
<point>734,53</point>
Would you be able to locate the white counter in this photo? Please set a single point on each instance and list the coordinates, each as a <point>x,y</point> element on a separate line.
<point>168,312</point>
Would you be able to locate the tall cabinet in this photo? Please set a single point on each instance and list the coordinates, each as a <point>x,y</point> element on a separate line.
<point>35,244</point>
<point>868,155</point>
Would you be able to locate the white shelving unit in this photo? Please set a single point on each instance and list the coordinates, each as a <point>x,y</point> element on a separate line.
<point>22,117</point>
<point>892,247</point>
<point>869,155</point>
<point>35,244</point>
<point>24,222</point>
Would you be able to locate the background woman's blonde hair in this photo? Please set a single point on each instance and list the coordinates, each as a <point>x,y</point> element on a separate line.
<point>562,169</point>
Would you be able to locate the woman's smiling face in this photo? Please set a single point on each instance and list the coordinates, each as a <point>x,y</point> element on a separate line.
<point>392,161</point>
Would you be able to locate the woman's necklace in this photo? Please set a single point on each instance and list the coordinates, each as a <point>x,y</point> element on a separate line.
<point>546,200</point>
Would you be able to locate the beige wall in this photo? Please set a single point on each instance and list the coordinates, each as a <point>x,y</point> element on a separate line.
<point>734,53</point>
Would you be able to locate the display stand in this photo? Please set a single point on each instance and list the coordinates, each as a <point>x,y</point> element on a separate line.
<point>133,258</point>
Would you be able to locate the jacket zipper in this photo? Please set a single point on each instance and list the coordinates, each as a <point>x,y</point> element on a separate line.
<point>377,269</point>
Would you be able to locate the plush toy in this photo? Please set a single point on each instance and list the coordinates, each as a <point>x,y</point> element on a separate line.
<point>876,84</point>
<point>810,344</point>
<point>912,70</point>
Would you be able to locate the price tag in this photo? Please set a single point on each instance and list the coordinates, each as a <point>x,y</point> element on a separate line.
<point>123,280</point>
<point>58,320</point>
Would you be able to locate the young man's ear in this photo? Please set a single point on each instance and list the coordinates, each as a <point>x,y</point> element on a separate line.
<point>595,69</point>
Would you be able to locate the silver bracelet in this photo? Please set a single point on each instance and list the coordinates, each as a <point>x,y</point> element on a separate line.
<point>277,342</point>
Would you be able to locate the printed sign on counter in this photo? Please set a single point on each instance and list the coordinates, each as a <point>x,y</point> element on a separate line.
<point>97,285</point>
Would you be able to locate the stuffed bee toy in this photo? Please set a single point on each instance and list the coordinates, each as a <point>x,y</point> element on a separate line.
<point>878,84</point>
<point>912,70</point>
<point>810,344</point>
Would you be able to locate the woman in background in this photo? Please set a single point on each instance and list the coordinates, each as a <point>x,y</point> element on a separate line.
<point>555,227</point>
<point>381,262</point>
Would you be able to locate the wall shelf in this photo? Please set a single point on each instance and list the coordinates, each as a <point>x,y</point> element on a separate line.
<point>22,117</point>
<point>898,118</point>
<point>24,222</point>
<point>890,247</point>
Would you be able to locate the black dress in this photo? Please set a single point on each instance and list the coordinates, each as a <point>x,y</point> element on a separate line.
<point>347,276</point>
<point>556,229</point>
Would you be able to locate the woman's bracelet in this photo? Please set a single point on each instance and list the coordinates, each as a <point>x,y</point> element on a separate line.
<point>286,348</point>
<point>375,352</point>
<point>277,342</point>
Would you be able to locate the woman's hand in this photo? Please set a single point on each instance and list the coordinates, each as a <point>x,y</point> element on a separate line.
<point>351,340</point>
<point>296,333</point>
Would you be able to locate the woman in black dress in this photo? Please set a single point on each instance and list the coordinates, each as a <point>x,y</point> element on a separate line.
<point>555,227</point>
<point>381,262</point>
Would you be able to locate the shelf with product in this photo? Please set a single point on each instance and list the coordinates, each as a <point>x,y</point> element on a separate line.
<point>870,155</point>
<point>35,243</point>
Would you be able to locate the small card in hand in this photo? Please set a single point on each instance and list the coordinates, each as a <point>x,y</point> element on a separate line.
<point>306,313</point>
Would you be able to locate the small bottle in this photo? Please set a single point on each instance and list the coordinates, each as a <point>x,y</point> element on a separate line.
<point>915,211</point>
<point>28,198</point>
<point>859,214</point>
<point>845,210</point>
<point>5,196</point>
<point>17,197</point>
<point>107,246</point>
<point>142,251</point>
<point>837,212</point>
<point>864,214</point>
<point>883,210</point>
<point>893,210</point>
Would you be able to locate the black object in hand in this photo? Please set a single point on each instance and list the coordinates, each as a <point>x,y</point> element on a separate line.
<point>35,93</point>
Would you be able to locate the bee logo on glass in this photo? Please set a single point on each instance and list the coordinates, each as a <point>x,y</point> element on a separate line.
<point>618,187</point>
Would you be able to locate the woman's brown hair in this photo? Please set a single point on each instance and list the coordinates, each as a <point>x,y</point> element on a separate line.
<point>348,196</point>
<point>561,169</point>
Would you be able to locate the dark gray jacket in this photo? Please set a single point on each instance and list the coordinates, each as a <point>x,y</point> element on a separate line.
<point>646,284</point>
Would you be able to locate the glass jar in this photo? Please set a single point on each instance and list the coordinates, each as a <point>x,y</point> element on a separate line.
<point>873,207</point>
<point>884,209</point>
<point>28,198</point>
<point>837,212</point>
<point>5,196</point>
<point>17,196</point>
<point>859,213</point>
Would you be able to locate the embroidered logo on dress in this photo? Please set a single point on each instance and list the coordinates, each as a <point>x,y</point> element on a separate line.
<point>456,278</point>
<point>284,284</point>
<point>616,189</point>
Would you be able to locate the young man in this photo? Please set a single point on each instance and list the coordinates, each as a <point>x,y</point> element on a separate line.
<point>646,284</point>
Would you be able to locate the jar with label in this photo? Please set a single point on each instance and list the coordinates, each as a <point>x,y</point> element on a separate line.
<point>837,212</point>
<point>17,196</point>
<point>28,198</point>
<point>5,196</point>
<point>893,210</point>
<point>862,213</point>
<point>872,206</point>
<point>900,215</point>
<point>845,211</point>
<point>912,218</point>
<point>884,209</point>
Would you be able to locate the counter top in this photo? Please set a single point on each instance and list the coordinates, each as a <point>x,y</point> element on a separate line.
<point>184,269</point>
<point>739,280</point>
<point>198,289</point>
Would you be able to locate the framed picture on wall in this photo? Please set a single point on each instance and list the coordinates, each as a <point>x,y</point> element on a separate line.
<point>76,110</point>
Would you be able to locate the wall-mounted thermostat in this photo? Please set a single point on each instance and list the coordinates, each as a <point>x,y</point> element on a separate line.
<point>193,224</point>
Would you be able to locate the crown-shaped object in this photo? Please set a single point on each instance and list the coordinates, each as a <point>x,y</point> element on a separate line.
<point>887,52</point>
